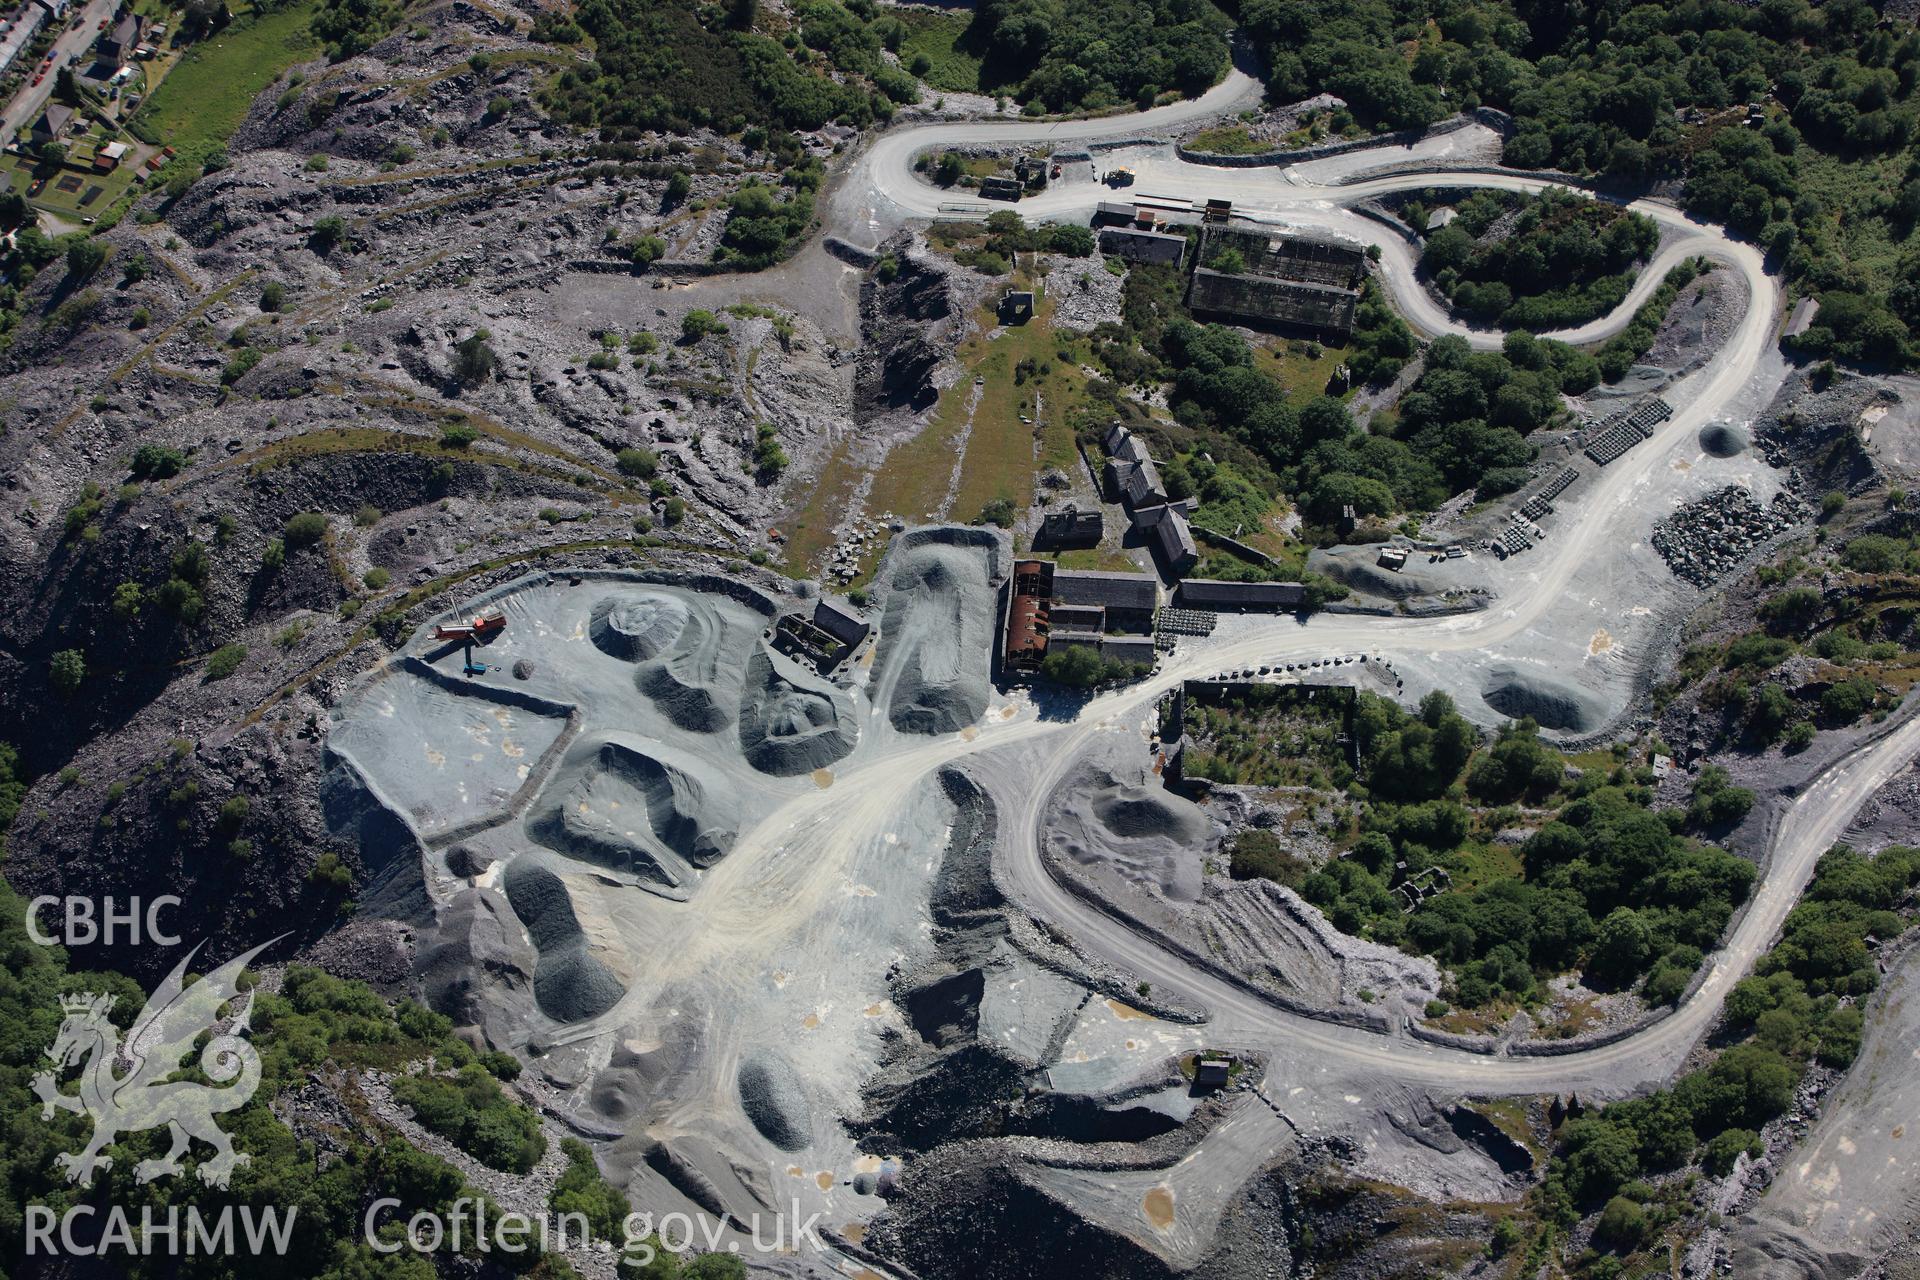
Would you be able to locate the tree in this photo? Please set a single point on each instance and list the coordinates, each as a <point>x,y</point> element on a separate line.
<point>84,257</point>
<point>349,27</point>
<point>647,250</point>
<point>67,669</point>
<point>1070,240</point>
<point>1077,666</point>
<point>1597,1156</point>
<point>1623,1225</point>
<point>1846,701</point>
<point>156,462</point>
<point>473,359</point>
<point>637,462</point>
<point>698,323</point>
<point>999,512</point>
<point>1622,946</point>
<point>272,296</point>
<point>127,599</point>
<point>328,232</point>
<point>305,529</point>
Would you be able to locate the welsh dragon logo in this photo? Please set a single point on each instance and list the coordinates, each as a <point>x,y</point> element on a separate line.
<point>145,1096</point>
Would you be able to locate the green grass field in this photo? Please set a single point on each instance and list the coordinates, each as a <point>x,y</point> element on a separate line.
<point>1228,140</point>
<point>206,95</point>
<point>933,36</point>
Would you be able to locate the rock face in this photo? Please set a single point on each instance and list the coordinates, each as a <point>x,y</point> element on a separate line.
<point>904,321</point>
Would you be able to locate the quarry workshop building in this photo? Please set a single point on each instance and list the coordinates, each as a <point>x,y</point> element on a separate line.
<point>1294,283</point>
<point>1220,596</point>
<point>826,638</point>
<point>1136,245</point>
<point>1049,606</point>
<point>1069,528</point>
<point>1131,475</point>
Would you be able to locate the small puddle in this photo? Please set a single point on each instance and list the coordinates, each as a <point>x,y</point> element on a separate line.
<point>1681,464</point>
<point>969,733</point>
<point>1158,1207</point>
<point>1601,643</point>
<point>1127,1013</point>
<point>875,1010</point>
<point>823,778</point>
<point>824,1180</point>
<point>854,1231</point>
<point>795,1171</point>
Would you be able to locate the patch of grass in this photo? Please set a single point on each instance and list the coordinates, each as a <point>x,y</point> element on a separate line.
<point>207,94</point>
<point>937,38</point>
<point>1293,365</point>
<point>1098,558</point>
<point>809,530</point>
<point>1228,140</point>
<point>1483,864</point>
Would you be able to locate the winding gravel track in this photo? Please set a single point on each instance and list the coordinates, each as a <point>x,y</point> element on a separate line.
<point>782,870</point>
<point>1304,1049</point>
<point>1278,196</point>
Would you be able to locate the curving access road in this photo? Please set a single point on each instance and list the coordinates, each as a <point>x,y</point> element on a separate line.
<point>1023,762</point>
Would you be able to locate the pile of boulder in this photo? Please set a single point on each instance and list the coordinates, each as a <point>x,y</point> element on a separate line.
<point>1704,540</point>
<point>843,558</point>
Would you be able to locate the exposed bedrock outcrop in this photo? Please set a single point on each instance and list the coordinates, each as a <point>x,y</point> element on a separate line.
<point>905,322</point>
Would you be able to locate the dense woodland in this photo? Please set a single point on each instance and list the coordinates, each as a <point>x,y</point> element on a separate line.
<point>1537,263</point>
<point>1463,424</point>
<point>1607,886</point>
<point>1094,54</point>
<point>1828,181</point>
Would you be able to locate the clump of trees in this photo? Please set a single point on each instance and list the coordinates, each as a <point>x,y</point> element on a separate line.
<point>1784,1016</point>
<point>471,1111</point>
<point>1564,260</point>
<point>1064,55</point>
<point>1607,886</point>
<point>314,1023</point>
<point>350,27</point>
<point>1082,667</point>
